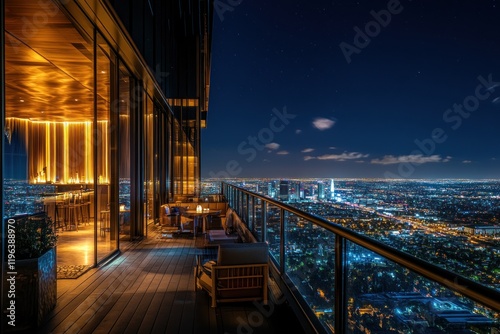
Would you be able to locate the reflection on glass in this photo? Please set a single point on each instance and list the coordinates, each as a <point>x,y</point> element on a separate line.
<point>258,221</point>
<point>273,230</point>
<point>251,216</point>
<point>149,161</point>
<point>124,152</point>
<point>310,264</point>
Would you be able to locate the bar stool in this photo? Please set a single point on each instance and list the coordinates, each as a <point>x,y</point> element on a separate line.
<point>84,210</point>
<point>60,214</point>
<point>104,220</point>
<point>72,209</point>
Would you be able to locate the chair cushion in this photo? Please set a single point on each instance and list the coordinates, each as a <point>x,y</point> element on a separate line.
<point>220,236</point>
<point>242,253</point>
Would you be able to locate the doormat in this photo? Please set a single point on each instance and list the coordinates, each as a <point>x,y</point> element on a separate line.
<point>72,271</point>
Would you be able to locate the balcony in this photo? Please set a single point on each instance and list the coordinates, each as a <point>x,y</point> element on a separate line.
<point>347,283</point>
<point>149,288</point>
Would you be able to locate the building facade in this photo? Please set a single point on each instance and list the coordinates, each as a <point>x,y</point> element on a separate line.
<point>102,107</point>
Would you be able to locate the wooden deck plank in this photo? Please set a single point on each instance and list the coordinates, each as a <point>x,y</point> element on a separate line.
<point>134,295</point>
<point>160,282</point>
<point>112,281</point>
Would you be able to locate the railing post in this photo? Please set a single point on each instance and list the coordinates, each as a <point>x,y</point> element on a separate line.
<point>264,220</point>
<point>340,285</point>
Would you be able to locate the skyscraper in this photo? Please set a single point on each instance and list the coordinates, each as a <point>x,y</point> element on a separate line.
<point>284,191</point>
<point>332,189</point>
<point>271,191</point>
<point>321,190</point>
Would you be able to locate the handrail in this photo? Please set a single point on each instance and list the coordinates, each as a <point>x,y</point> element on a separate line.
<point>468,288</point>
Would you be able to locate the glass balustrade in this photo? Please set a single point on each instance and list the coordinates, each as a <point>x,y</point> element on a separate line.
<point>346,282</point>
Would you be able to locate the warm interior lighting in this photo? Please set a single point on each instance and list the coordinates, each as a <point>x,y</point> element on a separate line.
<point>183,102</point>
<point>62,152</point>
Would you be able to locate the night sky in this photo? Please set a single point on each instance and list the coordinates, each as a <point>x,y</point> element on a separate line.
<point>407,89</point>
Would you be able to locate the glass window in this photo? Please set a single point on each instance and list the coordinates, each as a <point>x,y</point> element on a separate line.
<point>49,121</point>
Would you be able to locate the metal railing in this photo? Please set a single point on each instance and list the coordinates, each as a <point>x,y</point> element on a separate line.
<point>260,212</point>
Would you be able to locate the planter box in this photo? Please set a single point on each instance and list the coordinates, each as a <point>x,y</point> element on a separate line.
<point>36,291</point>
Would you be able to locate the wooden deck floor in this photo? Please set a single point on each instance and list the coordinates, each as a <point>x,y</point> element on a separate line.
<point>149,288</point>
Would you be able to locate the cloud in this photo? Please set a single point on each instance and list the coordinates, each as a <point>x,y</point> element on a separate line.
<point>282,152</point>
<point>272,146</point>
<point>308,157</point>
<point>414,159</point>
<point>323,123</point>
<point>332,148</point>
<point>343,157</point>
<point>298,131</point>
<point>466,161</point>
<point>307,150</point>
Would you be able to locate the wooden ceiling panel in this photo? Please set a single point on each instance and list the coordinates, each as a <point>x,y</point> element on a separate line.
<point>49,68</point>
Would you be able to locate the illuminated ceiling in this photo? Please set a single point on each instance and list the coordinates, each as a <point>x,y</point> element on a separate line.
<point>49,68</point>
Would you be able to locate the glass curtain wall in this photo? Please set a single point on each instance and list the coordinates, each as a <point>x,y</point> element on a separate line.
<point>84,142</point>
<point>68,132</point>
<point>107,130</point>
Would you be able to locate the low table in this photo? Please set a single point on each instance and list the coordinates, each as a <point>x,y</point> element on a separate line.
<point>200,216</point>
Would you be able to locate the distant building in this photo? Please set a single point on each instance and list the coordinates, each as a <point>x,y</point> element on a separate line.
<point>332,189</point>
<point>271,189</point>
<point>294,191</point>
<point>321,190</point>
<point>482,229</point>
<point>284,191</point>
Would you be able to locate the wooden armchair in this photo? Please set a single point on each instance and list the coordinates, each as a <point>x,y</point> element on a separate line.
<point>240,273</point>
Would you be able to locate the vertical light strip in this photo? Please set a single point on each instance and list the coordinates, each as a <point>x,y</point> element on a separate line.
<point>53,164</point>
<point>48,151</point>
<point>66,175</point>
<point>106,153</point>
<point>89,173</point>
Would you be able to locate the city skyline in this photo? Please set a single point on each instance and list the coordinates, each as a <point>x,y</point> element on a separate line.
<point>381,89</point>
